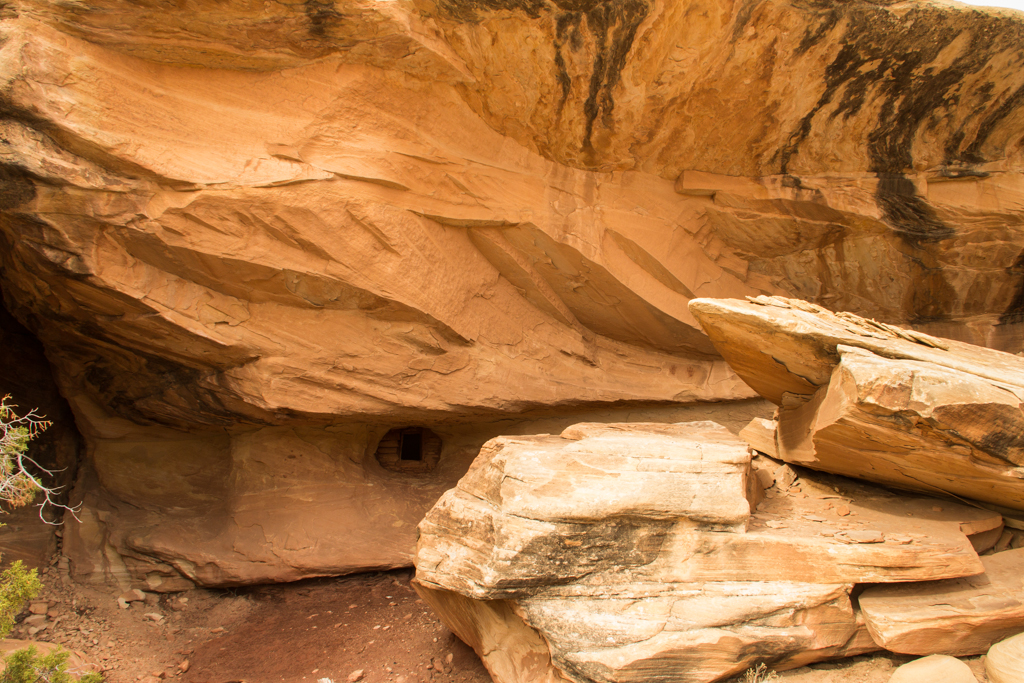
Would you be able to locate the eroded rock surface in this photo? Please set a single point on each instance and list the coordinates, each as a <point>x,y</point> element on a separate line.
<point>869,400</point>
<point>164,510</point>
<point>636,551</point>
<point>292,227</point>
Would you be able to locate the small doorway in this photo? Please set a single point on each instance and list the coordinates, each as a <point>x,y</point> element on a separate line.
<point>413,450</point>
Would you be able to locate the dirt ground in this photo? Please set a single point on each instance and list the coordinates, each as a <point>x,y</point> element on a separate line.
<point>306,631</point>
<point>311,630</point>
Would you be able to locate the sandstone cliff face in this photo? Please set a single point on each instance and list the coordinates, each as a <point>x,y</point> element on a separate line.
<point>264,229</point>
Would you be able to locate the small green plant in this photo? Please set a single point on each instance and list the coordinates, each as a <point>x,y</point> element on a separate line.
<point>755,674</point>
<point>28,666</point>
<point>17,586</point>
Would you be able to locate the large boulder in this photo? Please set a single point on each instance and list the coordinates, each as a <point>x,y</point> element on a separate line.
<point>638,552</point>
<point>256,238</point>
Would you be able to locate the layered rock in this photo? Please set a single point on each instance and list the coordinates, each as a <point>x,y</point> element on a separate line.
<point>310,224</point>
<point>954,617</point>
<point>874,401</point>
<point>636,552</point>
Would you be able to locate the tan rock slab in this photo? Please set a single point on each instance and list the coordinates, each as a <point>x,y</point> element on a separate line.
<point>1005,660</point>
<point>874,401</point>
<point>962,616</point>
<point>934,669</point>
<point>760,435</point>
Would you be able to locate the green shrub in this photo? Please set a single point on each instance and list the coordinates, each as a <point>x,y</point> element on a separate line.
<point>28,666</point>
<point>17,586</point>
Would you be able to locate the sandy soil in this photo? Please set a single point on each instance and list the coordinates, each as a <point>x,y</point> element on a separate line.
<point>306,631</point>
<point>324,628</point>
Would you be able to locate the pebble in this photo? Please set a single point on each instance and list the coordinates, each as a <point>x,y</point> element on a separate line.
<point>356,675</point>
<point>842,510</point>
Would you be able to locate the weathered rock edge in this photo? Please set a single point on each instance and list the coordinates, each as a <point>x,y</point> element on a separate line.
<point>874,401</point>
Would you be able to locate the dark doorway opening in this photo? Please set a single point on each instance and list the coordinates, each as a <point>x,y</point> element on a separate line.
<point>412,445</point>
<point>410,450</point>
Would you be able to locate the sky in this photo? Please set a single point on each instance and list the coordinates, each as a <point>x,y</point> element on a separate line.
<point>1014,4</point>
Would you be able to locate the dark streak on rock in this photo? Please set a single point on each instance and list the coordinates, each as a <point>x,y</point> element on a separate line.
<point>1012,103</point>
<point>567,30</point>
<point>908,214</point>
<point>743,15</point>
<point>620,19</point>
<point>467,11</point>
<point>322,15</point>
<point>885,60</point>
<point>16,187</point>
<point>619,543</point>
<point>611,25</point>
<point>1014,313</point>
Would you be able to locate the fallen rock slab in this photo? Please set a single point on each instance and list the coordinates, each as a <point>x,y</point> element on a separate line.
<point>962,616</point>
<point>760,435</point>
<point>874,401</point>
<point>636,552</point>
